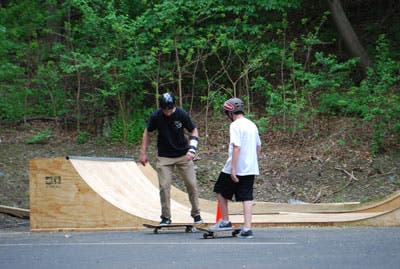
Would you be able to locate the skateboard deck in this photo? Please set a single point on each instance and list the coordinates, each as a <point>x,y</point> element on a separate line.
<point>213,233</point>
<point>189,227</point>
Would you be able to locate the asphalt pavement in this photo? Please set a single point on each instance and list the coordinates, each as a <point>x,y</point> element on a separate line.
<point>271,248</point>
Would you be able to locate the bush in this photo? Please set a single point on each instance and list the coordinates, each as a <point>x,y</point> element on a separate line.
<point>380,90</point>
<point>375,100</point>
<point>39,138</point>
<point>135,125</point>
<point>83,137</point>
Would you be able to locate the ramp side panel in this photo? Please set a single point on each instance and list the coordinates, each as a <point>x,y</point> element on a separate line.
<point>60,199</point>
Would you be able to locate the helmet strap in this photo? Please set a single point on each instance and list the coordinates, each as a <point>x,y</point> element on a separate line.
<point>230,115</point>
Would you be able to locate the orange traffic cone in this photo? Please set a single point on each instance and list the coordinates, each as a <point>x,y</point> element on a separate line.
<point>218,217</point>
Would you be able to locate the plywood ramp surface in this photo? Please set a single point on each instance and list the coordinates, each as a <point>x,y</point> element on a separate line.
<point>388,203</point>
<point>179,195</point>
<point>125,186</point>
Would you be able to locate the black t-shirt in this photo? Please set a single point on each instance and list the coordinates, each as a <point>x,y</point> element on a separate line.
<point>171,140</point>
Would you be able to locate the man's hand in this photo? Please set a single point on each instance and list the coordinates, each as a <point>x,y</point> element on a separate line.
<point>189,156</point>
<point>143,158</point>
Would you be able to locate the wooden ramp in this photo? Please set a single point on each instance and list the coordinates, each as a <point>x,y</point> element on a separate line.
<point>79,194</point>
<point>388,203</point>
<point>95,194</point>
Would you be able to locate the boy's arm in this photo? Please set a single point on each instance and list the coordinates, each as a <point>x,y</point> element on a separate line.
<point>235,157</point>
<point>258,151</point>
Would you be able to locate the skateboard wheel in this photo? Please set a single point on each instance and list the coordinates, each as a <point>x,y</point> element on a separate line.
<point>205,235</point>
<point>214,235</point>
<point>155,231</point>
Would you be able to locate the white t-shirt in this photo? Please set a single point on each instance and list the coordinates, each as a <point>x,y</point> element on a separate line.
<point>244,133</point>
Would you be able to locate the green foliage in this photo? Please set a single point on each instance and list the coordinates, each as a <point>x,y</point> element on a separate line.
<point>47,96</point>
<point>86,59</point>
<point>218,99</point>
<point>380,90</point>
<point>284,99</point>
<point>39,138</point>
<point>332,76</point>
<point>83,137</point>
<point>262,123</point>
<point>376,99</point>
<point>341,142</point>
<point>135,126</point>
<point>12,104</point>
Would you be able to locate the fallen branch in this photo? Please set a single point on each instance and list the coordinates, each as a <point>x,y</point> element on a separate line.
<point>55,119</point>
<point>344,187</point>
<point>385,174</point>
<point>352,177</point>
<point>14,211</point>
<point>347,173</point>
<point>317,199</point>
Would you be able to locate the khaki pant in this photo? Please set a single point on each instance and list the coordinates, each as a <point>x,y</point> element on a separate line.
<point>185,168</point>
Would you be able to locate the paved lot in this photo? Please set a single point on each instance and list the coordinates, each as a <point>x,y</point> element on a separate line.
<point>271,248</point>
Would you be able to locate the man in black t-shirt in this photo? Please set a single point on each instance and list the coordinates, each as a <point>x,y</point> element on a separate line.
<point>173,151</point>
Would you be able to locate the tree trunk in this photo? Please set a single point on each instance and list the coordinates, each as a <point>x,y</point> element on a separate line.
<point>178,67</point>
<point>347,33</point>
<point>123,118</point>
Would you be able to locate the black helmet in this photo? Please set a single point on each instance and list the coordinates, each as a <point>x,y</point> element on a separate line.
<point>234,105</point>
<point>166,101</point>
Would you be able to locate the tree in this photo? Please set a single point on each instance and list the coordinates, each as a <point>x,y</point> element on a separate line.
<point>347,33</point>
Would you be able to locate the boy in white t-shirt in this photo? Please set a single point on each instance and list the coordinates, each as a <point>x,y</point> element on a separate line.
<point>237,176</point>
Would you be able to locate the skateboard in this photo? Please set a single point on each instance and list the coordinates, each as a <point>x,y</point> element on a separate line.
<point>189,227</point>
<point>213,233</point>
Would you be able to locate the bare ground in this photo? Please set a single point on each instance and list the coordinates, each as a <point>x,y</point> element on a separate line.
<point>330,163</point>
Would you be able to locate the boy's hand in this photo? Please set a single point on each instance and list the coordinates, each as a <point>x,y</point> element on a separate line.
<point>234,177</point>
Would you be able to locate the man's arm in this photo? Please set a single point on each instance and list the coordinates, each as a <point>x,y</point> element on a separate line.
<point>195,132</point>
<point>145,144</point>
<point>193,143</point>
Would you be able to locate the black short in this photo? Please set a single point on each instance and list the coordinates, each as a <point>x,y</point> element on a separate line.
<point>243,190</point>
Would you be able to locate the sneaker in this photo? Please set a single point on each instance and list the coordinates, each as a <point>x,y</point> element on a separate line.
<point>246,234</point>
<point>165,221</point>
<point>222,225</point>
<point>197,219</point>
